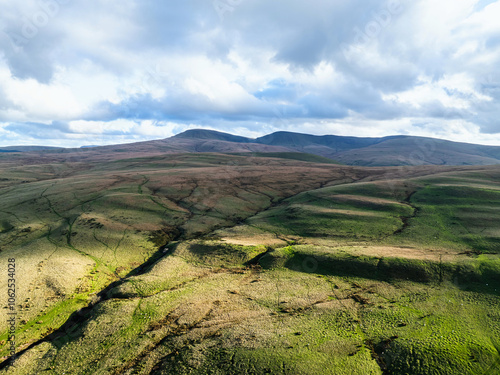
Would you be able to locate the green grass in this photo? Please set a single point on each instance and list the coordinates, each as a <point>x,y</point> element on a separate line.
<point>328,212</point>
<point>482,272</point>
<point>423,212</point>
<point>208,305</point>
<point>287,323</point>
<point>300,156</point>
<point>464,218</point>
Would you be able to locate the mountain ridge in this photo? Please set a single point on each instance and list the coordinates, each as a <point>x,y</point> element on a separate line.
<point>395,150</point>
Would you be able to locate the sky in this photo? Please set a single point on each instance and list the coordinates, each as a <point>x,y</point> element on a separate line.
<point>76,73</point>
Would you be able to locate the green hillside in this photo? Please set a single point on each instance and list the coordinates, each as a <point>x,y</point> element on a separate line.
<point>227,264</point>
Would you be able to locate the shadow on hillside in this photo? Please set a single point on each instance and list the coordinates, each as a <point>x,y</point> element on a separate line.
<point>478,276</point>
<point>72,329</point>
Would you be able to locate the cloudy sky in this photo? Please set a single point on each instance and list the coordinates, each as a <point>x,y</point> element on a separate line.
<point>75,72</point>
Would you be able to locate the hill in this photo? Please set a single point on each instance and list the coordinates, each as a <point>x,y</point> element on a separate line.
<point>28,148</point>
<point>385,151</point>
<point>211,134</point>
<point>259,263</point>
<point>388,151</point>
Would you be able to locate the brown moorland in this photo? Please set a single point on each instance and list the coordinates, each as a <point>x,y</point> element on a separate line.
<point>182,263</point>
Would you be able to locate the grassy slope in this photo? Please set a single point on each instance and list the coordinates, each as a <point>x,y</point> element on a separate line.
<point>75,229</point>
<point>368,286</point>
<point>454,212</point>
<point>293,156</point>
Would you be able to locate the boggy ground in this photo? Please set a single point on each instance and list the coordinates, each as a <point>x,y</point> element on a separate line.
<point>209,263</point>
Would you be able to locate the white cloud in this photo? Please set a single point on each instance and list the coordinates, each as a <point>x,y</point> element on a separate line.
<point>34,101</point>
<point>142,70</point>
<point>451,91</point>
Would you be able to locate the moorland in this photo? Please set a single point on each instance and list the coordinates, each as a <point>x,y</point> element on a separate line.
<point>212,254</point>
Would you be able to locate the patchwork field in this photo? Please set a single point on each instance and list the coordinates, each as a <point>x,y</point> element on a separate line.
<point>241,264</point>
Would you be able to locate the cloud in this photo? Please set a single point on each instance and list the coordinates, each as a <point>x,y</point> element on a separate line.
<point>142,69</point>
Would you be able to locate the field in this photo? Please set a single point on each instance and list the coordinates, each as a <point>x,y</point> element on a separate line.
<point>234,264</point>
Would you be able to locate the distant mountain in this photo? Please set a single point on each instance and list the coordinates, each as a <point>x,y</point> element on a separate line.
<point>408,150</point>
<point>213,135</point>
<point>327,145</point>
<point>385,151</point>
<point>28,148</point>
<point>298,140</point>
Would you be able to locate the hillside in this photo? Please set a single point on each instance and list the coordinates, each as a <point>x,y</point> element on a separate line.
<point>386,151</point>
<point>201,263</point>
<point>28,148</point>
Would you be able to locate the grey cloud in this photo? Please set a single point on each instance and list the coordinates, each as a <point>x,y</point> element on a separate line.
<point>372,46</point>
<point>30,39</point>
<point>38,130</point>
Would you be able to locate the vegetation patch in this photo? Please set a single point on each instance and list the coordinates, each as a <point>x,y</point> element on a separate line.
<point>163,236</point>
<point>212,263</point>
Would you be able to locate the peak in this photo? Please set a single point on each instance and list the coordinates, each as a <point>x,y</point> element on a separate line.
<point>211,134</point>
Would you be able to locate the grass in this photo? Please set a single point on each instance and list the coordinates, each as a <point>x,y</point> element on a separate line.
<point>481,272</point>
<point>281,321</point>
<point>105,217</point>
<point>329,212</point>
<point>423,212</point>
<point>456,217</point>
<point>299,156</point>
<point>259,266</point>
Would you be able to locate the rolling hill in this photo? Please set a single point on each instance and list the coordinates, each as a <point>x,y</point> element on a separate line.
<point>199,263</point>
<point>147,259</point>
<point>386,151</point>
<point>28,148</point>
